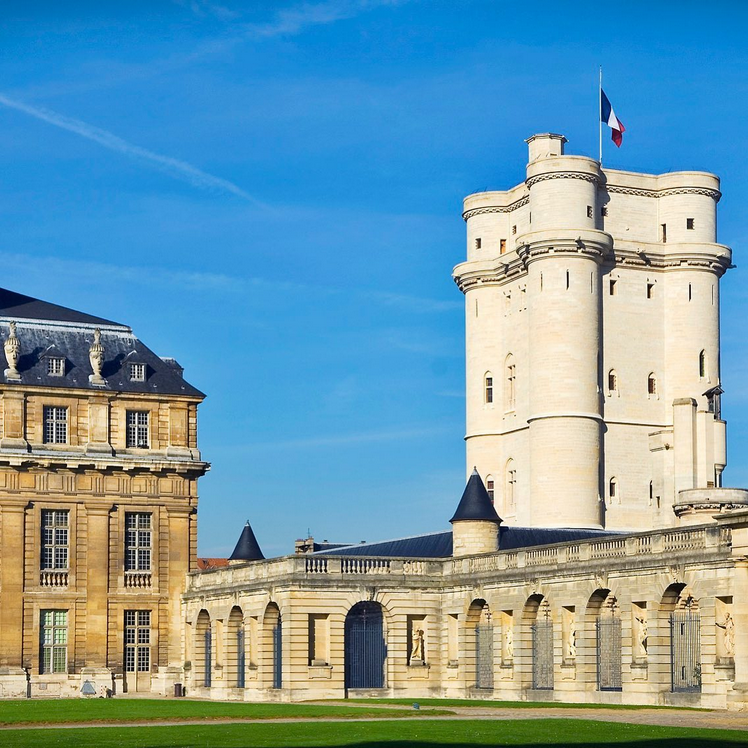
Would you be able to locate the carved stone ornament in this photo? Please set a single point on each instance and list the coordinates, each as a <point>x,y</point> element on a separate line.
<point>96,357</point>
<point>12,347</point>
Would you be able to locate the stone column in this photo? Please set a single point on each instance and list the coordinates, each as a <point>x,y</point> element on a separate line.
<point>97,584</point>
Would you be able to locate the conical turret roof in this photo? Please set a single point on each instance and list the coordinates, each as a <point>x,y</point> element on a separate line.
<point>475,503</point>
<point>247,548</point>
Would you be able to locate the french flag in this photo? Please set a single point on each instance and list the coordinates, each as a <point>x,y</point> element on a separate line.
<point>608,116</point>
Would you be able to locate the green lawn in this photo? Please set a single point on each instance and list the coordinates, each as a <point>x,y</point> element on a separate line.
<point>58,711</point>
<point>388,734</point>
<point>507,704</point>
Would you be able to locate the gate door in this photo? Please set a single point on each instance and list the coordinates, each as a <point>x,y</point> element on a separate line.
<point>208,657</point>
<point>240,659</point>
<point>484,656</point>
<point>685,650</point>
<point>365,650</point>
<point>609,654</point>
<point>278,655</point>
<point>542,655</point>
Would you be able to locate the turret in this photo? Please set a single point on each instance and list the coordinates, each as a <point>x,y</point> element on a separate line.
<point>247,548</point>
<point>475,524</point>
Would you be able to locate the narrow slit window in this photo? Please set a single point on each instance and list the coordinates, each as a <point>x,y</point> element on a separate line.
<point>567,280</point>
<point>502,246</point>
<point>490,488</point>
<point>488,389</point>
<point>514,229</point>
<point>612,489</point>
<point>690,224</point>
<point>613,286</point>
<point>702,365</point>
<point>650,290</point>
<point>663,233</point>
<point>651,385</point>
<point>690,292</point>
<point>612,381</point>
<point>604,211</point>
<point>589,211</point>
<point>478,243</point>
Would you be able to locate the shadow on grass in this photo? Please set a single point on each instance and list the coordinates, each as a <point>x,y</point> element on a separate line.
<point>395,743</point>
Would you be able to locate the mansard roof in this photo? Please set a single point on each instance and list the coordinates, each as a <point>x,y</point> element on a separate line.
<point>439,544</point>
<point>475,503</point>
<point>247,548</point>
<point>45,330</point>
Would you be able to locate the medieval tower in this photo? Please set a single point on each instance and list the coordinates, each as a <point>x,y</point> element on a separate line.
<point>592,329</point>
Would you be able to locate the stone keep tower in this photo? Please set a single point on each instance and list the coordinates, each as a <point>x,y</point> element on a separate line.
<point>592,329</point>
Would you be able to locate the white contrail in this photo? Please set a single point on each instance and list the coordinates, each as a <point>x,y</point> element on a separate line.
<point>176,168</point>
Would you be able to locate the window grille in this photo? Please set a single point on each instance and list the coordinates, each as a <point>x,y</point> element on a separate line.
<point>55,424</point>
<point>652,384</point>
<point>55,366</point>
<point>137,641</point>
<point>490,488</point>
<point>489,390</point>
<point>137,372</point>
<point>137,429</point>
<point>137,541</point>
<point>54,539</point>
<point>54,641</point>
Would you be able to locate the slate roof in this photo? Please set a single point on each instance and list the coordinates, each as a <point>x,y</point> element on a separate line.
<point>475,503</point>
<point>247,547</point>
<point>45,330</point>
<point>439,544</point>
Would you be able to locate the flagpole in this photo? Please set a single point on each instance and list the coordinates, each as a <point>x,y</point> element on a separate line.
<point>599,114</point>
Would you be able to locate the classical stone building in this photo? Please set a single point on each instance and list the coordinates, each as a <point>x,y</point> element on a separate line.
<point>98,495</point>
<point>594,555</point>
<point>617,570</point>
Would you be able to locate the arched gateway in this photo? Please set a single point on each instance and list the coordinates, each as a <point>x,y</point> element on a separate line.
<point>365,648</point>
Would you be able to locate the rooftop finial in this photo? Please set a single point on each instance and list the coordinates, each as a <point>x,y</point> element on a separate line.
<point>12,347</point>
<point>96,357</point>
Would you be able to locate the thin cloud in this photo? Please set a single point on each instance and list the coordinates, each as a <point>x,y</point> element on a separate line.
<point>172,166</point>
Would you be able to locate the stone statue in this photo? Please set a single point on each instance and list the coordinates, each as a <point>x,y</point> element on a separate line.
<point>642,634</point>
<point>96,357</point>
<point>416,652</point>
<point>728,637</point>
<point>509,641</point>
<point>571,642</point>
<point>12,348</point>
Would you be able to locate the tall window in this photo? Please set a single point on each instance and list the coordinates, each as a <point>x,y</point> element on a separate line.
<point>137,429</point>
<point>55,424</point>
<point>54,539</point>
<point>613,489</point>
<point>652,385</point>
<point>137,641</point>
<point>490,488</point>
<point>137,541</point>
<point>53,626</point>
<point>612,381</point>
<point>511,382</point>
<point>702,365</point>
<point>511,485</point>
<point>488,388</point>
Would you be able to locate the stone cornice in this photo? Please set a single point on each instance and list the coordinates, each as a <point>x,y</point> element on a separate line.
<point>26,461</point>
<point>584,176</point>
<point>667,192</point>
<point>524,200</point>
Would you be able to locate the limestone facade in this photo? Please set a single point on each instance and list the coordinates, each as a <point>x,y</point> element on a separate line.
<point>98,495</point>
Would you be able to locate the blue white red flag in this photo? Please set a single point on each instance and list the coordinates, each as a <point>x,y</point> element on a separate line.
<point>608,116</point>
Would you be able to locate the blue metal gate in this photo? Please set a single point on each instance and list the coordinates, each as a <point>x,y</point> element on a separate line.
<point>240,661</point>
<point>208,653</point>
<point>365,650</point>
<point>542,655</point>
<point>278,655</point>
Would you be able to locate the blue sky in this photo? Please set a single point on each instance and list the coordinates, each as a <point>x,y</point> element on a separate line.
<point>271,192</point>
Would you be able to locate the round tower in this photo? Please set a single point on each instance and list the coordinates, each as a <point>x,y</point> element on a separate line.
<point>475,524</point>
<point>563,250</point>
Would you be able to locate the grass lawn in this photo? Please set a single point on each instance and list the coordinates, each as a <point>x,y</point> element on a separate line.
<point>58,711</point>
<point>389,734</point>
<point>510,704</point>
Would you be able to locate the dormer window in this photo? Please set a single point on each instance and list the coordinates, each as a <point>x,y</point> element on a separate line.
<point>137,372</point>
<point>55,366</point>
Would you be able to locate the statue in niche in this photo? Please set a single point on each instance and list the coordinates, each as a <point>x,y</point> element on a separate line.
<point>416,652</point>
<point>508,641</point>
<point>12,348</point>
<point>571,641</point>
<point>728,635</point>
<point>641,635</point>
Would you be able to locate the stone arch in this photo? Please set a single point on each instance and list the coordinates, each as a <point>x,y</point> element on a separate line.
<point>478,644</point>
<point>600,650</point>
<point>203,655</point>
<point>679,640</point>
<point>271,647</point>
<point>365,646</point>
<point>235,649</point>
<point>537,644</point>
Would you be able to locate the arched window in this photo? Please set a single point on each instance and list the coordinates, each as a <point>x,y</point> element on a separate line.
<point>511,382</point>
<point>612,381</point>
<point>652,385</point>
<point>651,492</point>
<point>488,388</point>
<point>613,489</point>
<point>511,486</point>
<point>703,365</point>
<point>490,487</point>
